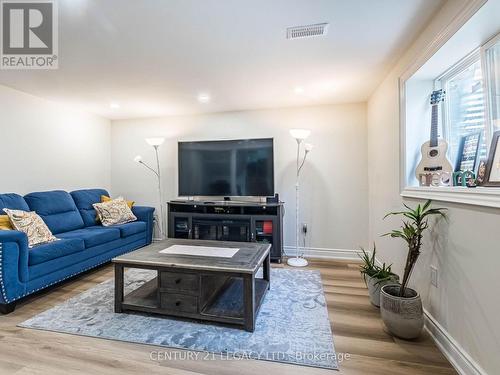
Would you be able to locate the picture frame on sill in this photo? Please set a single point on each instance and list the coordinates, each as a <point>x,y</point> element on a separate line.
<point>493,165</point>
<point>468,151</point>
<point>481,172</point>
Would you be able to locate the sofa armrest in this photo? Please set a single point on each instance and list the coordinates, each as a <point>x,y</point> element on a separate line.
<point>13,264</point>
<point>145,214</point>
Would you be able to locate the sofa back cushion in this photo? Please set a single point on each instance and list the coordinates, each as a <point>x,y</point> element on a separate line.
<point>84,199</point>
<point>57,209</point>
<point>13,202</point>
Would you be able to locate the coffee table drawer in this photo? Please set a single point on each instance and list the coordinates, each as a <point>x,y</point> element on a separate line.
<point>179,281</point>
<point>179,303</point>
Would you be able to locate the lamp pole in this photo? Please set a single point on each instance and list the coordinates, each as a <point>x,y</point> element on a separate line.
<point>160,195</point>
<point>300,135</point>
<point>156,143</point>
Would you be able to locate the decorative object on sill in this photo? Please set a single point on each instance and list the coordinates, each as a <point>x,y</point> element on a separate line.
<point>400,306</point>
<point>375,276</point>
<point>465,178</point>
<point>435,179</point>
<point>434,151</point>
<point>159,219</point>
<point>300,135</point>
<point>425,179</point>
<point>468,150</point>
<point>471,183</point>
<point>481,172</point>
<point>493,164</point>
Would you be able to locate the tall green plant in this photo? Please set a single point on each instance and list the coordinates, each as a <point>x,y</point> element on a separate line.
<point>415,222</point>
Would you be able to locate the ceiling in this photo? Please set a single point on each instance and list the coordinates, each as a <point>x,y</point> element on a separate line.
<point>155,58</point>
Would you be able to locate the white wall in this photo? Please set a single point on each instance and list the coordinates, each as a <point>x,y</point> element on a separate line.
<point>45,146</point>
<point>334,183</point>
<point>465,250</point>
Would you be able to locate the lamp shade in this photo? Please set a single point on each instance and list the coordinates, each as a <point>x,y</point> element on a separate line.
<point>155,141</point>
<point>138,159</point>
<point>300,134</point>
<point>308,147</point>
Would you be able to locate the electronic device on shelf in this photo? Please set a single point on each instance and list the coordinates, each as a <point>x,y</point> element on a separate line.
<point>233,168</point>
<point>434,168</point>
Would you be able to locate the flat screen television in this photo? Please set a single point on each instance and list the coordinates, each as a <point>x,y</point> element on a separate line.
<point>233,168</point>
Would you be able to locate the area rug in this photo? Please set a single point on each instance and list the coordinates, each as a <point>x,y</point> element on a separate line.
<point>292,325</point>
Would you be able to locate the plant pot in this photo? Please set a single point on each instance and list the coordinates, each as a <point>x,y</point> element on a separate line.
<point>403,316</point>
<point>374,285</point>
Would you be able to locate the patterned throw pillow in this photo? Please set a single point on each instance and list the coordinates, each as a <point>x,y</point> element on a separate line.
<point>115,211</point>
<point>31,224</point>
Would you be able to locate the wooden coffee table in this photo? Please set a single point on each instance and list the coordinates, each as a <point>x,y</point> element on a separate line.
<point>216,289</point>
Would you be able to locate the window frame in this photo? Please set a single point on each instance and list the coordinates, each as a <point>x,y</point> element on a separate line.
<point>443,80</point>
<point>480,196</point>
<point>486,85</point>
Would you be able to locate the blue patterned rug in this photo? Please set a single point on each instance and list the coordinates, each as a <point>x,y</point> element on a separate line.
<point>292,325</point>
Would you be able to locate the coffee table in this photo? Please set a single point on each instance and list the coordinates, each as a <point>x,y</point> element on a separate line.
<point>217,289</point>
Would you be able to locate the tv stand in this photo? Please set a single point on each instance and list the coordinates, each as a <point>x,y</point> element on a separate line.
<point>228,221</point>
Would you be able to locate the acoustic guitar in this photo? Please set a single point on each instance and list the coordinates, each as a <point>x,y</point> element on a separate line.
<point>434,168</point>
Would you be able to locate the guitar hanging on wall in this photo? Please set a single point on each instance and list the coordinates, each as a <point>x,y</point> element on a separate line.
<point>434,168</point>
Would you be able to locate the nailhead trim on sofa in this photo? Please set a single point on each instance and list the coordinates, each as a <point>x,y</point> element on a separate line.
<point>4,294</point>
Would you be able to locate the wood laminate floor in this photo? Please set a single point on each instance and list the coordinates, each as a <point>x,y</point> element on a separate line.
<point>358,333</point>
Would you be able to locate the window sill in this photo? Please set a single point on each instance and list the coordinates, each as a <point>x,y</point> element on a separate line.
<point>479,196</point>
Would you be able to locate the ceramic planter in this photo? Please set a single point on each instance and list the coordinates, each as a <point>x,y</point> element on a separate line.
<point>374,285</point>
<point>403,316</point>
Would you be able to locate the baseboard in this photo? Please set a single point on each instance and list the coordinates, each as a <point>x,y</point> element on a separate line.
<point>324,253</point>
<point>458,357</point>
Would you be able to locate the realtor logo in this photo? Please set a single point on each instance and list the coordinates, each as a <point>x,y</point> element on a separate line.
<point>28,34</point>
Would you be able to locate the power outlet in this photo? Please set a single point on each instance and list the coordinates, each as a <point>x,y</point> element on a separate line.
<point>434,276</point>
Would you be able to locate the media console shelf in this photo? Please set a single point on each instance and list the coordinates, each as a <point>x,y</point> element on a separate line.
<point>228,221</point>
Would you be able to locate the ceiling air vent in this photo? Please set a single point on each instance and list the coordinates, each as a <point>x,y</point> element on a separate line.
<point>307,31</point>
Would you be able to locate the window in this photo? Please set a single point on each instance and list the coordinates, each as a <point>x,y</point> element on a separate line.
<point>491,56</point>
<point>471,107</point>
<point>464,105</point>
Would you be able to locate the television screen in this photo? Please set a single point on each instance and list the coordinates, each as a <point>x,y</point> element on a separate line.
<point>226,168</point>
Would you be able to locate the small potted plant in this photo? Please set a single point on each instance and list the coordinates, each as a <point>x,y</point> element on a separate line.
<point>375,276</point>
<point>401,306</point>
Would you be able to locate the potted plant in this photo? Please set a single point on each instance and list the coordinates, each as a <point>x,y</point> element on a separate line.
<point>401,306</point>
<point>375,276</point>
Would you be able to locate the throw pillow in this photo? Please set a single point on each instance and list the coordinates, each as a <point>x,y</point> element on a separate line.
<point>105,198</point>
<point>31,224</point>
<point>115,211</point>
<point>5,223</point>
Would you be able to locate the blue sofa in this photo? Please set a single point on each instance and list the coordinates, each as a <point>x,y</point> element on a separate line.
<point>83,243</point>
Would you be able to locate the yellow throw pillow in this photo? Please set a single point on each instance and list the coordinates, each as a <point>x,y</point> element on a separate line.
<point>5,223</point>
<point>105,198</point>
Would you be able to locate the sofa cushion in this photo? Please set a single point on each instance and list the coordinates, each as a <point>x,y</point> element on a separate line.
<point>57,209</point>
<point>84,199</point>
<point>14,202</point>
<point>93,236</point>
<point>129,229</point>
<point>43,253</point>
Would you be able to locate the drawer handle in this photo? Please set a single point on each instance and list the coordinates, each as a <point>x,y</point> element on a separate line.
<point>178,281</point>
<point>178,303</point>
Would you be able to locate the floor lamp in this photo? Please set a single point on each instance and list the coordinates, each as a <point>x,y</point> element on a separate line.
<point>300,135</point>
<point>156,143</point>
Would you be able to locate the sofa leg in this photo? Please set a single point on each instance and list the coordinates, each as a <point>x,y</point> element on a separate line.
<point>7,308</point>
